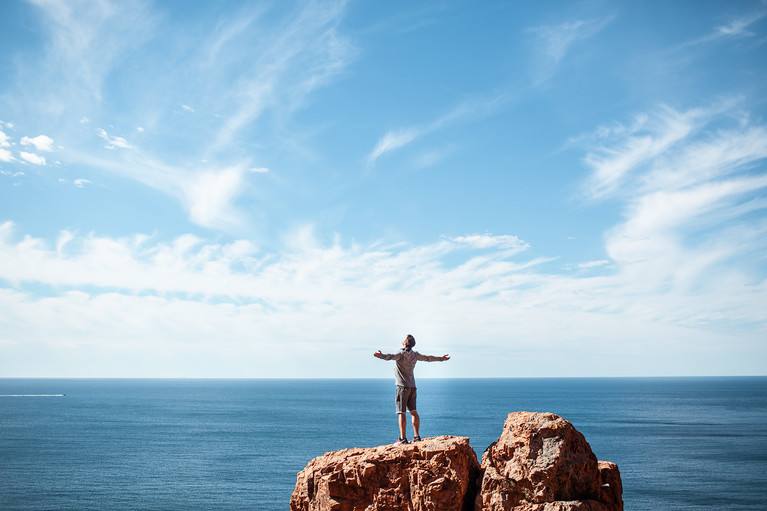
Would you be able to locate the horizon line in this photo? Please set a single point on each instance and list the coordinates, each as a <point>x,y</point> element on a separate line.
<point>374,378</point>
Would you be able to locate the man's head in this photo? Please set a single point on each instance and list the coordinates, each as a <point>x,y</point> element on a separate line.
<point>409,342</point>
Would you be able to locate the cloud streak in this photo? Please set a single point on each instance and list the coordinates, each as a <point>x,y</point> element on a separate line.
<point>182,293</point>
<point>463,112</point>
<point>553,43</point>
<point>694,185</point>
<point>305,51</point>
<point>255,60</point>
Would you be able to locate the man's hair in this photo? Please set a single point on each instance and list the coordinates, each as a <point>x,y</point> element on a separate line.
<point>410,341</point>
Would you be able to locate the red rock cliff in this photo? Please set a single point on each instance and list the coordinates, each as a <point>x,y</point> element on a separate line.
<point>540,463</point>
<point>434,474</point>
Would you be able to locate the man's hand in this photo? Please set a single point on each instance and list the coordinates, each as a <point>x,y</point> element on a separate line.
<point>445,357</point>
<point>378,354</point>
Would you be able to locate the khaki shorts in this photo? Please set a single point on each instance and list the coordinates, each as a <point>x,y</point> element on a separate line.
<point>404,398</point>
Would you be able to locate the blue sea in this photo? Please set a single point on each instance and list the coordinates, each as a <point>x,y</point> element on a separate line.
<point>138,444</point>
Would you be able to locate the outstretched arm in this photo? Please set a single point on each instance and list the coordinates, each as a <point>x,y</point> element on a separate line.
<point>386,356</point>
<point>433,358</point>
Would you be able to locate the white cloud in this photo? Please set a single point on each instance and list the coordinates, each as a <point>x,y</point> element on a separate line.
<point>554,42</point>
<point>35,159</point>
<point>694,184</point>
<point>623,157</point>
<point>593,264</point>
<point>430,158</point>
<point>209,196</point>
<point>112,141</point>
<point>305,52</point>
<point>490,241</point>
<point>258,170</point>
<point>738,27</point>
<point>391,141</point>
<point>6,156</point>
<point>80,183</point>
<point>4,141</point>
<point>262,63</point>
<point>189,295</point>
<point>627,150</point>
<point>86,40</point>
<point>467,110</point>
<point>40,142</point>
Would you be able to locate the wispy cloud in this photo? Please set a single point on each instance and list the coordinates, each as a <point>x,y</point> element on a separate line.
<point>628,149</point>
<point>593,264</point>
<point>392,141</point>
<point>623,157</point>
<point>692,182</point>
<point>740,26</point>
<point>304,52</point>
<point>737,28</point>
<point>85,41</point>
<point>181,293</point>
<point>491,241</point>
<point>250,64</point>
<point>471,110</point>
<point>206,191</point>
<point>112,141</point>
<point>554,42</point>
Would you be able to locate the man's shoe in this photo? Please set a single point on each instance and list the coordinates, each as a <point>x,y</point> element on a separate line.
<point>416,439</point>
<point>401,441</point>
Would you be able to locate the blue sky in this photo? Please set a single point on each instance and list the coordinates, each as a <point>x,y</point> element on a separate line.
<point>279,189</point>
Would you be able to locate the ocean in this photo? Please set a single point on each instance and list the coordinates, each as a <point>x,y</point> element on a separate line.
<point>141,444</point>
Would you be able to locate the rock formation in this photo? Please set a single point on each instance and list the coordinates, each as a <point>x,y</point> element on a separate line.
<point>539,463</point>
<point>435,474</point>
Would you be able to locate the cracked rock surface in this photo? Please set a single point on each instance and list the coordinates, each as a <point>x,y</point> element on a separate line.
<point>539,463</point>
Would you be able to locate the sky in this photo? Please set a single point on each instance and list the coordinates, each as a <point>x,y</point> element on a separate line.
<point>279,189</point>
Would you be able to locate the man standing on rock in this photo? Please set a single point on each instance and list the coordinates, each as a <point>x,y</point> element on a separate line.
<point>406,392</point>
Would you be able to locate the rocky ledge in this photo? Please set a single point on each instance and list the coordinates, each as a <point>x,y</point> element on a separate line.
<point>539,463</point>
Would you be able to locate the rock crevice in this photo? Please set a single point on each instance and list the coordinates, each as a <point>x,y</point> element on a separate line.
<point>539,463</point>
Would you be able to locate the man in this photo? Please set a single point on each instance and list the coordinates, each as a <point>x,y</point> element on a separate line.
<point>406,392</point>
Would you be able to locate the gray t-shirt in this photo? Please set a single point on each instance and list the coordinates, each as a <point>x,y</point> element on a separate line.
<point>403,371</point>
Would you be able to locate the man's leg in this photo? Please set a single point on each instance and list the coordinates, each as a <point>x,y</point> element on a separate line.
<point>402,425</point>
<point>416,422</point>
